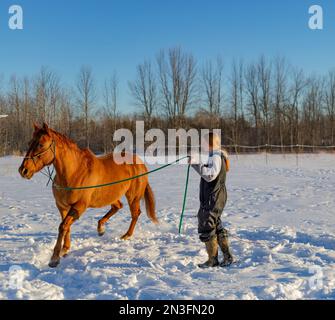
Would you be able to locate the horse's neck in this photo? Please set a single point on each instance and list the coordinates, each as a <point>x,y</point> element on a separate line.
<point>68,161</point>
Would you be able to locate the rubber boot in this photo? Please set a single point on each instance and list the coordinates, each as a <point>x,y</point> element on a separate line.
<point>224,246</point>
<point>212,251</point>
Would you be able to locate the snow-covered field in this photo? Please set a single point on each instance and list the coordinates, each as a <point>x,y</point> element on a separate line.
<point>281,218</point>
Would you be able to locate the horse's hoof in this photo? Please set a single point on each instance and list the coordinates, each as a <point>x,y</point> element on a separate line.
<point>125,237</point>
<point>54,264</point>
<point>64,253</point>
<point>101,231</point>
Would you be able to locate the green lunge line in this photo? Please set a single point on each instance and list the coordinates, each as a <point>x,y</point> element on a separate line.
<point>117,182</point>
<point>136,177</point>
<point>185,197</point>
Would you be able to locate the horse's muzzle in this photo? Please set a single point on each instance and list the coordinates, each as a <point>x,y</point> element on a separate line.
<point>25,173</point>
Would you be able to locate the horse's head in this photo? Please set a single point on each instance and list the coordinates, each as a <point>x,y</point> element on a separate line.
<point>41,152</point>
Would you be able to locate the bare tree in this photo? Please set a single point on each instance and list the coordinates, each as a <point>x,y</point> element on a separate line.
<point>177,74</point>
<point>46,95</point>
<point>312,110</point>
<point>144,90</point>
<point>86,96</point>
<point>211,77</point>
<point>3,128</point>
<point>295,93</point>
<point>329,96</point>
<point>15,102</point>
<point>280,96</point>
<point>252,89</point>
<point>110,95</point>
<point>264,78</point>
<point>55,97</point>
<point>65,113</point>
<point>27,102</point>
<point>237,92</point>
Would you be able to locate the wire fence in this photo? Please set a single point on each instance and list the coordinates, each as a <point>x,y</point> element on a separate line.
<point>297,150</point>
<point>269,147</point>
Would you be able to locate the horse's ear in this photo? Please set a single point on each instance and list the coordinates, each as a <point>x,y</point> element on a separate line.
<point>45,127</point>
<point>36,127</point>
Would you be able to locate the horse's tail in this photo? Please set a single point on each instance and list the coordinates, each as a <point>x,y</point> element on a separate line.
<point>150,204</point>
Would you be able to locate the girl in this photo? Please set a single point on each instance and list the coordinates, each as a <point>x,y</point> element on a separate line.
<point>213,198</point>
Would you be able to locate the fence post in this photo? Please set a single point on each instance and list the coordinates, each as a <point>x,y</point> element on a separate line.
<point>266,154</point>
<point>236,151</point>
<point>283,151</point>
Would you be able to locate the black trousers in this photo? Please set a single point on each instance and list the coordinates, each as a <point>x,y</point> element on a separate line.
<point>210,225</point>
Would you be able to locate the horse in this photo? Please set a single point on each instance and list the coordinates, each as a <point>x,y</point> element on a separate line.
<point>76,167</point>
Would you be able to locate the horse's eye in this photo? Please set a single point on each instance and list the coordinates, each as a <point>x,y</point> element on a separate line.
<point>40,145</point>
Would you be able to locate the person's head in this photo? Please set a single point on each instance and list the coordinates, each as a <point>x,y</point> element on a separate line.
<point>212,141</point>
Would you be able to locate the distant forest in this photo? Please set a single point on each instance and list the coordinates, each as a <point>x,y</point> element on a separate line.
<point>267,101</point>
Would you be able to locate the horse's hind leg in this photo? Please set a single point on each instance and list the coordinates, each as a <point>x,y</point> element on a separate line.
<point>101,224</point>
<point>135,210</point>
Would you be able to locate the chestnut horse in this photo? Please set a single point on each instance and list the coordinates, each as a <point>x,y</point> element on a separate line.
<point>77,167</point>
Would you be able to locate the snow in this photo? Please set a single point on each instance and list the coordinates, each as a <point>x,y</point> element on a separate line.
<point>281,218</point>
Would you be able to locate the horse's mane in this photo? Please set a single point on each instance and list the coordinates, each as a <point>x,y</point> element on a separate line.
<point>64,140</point>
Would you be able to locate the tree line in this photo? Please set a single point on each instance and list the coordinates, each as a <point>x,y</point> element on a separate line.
<point>267,101</point>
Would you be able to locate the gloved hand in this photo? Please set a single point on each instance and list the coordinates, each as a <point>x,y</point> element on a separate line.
<point>193,159</point>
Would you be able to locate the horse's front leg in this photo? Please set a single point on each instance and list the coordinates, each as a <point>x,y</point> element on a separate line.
<point>64,233</point>
<point>66,245</point>
<point>67,238</point>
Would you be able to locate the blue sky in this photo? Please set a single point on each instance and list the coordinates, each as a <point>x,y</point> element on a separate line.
<point>118,34</point>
